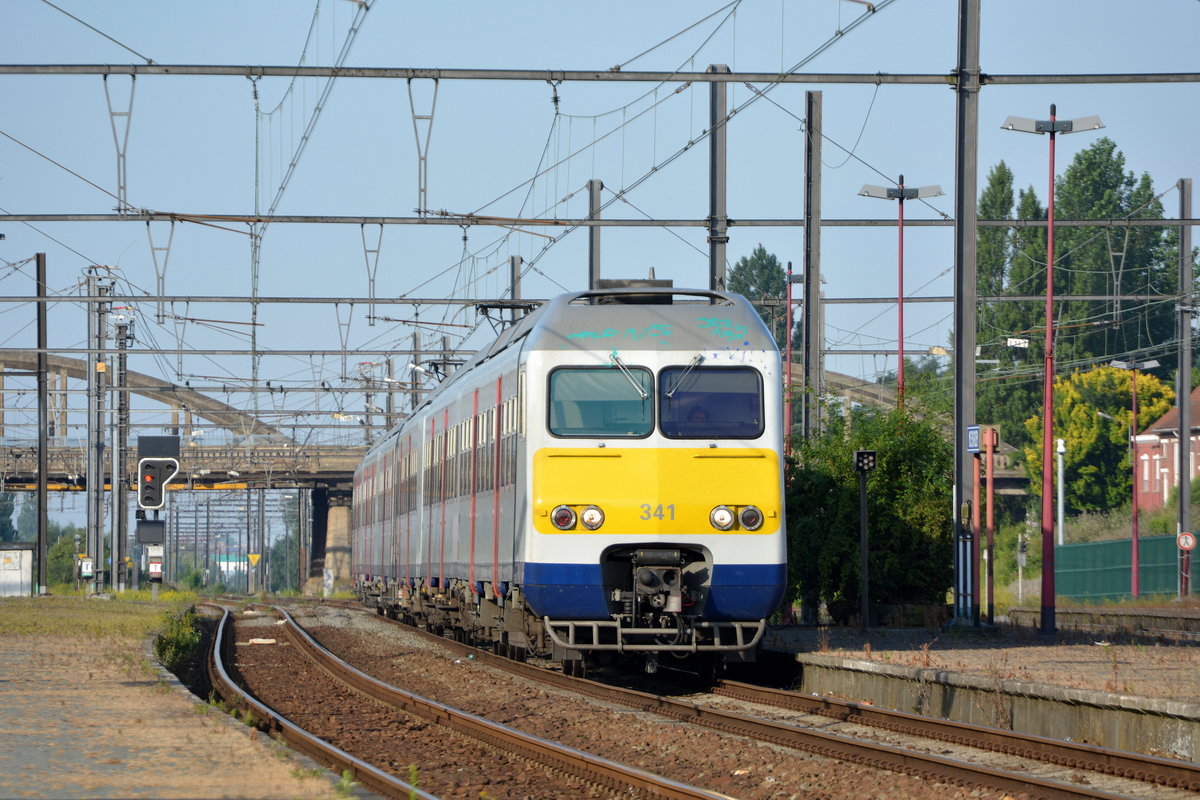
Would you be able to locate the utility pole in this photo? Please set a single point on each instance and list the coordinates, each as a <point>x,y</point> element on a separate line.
<point>718,220</point>
<point>811,302</point>
<point>120,482</point>
<point>966,167</point>
<point>1183,391</point>
<point>99,287</point>
<point>593,186</point>
<point>515,263</point>
<point>43,499</point>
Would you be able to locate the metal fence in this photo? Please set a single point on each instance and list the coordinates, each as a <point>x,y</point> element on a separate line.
<point>1099,571</point>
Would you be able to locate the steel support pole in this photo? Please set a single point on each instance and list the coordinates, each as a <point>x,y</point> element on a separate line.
<point>966,145</point>
<point>1183,390</point>
<point>991,441</point>
<point>787,380</point>
<point>1133,431</point>
<point>43,412</point>
<point>718,221</point>
<point>863,597</point>
<point>813,334</point>
<point>120,494</point>
<point>593,186</point>
<point>900,300</point>
<point>1048,604</point>
<point>516,262</point>
<point>97,371</point>
<point>976,550</point>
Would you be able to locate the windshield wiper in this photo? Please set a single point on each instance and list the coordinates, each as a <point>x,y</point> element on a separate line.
<point>695,362</point>
<point>616,359</point>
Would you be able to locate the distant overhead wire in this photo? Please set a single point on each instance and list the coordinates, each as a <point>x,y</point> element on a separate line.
<point>40,154</point>
<point>147,59</point>
<point>64,245</point>
<point>674,36</point>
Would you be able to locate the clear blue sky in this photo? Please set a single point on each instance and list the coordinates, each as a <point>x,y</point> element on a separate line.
<point>191,149</point>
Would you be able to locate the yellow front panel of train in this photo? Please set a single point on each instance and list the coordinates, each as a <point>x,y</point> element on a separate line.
<point>656,491</point>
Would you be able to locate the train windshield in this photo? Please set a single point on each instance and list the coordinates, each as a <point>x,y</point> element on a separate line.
<point>601,401</point>
<point>710,402</point>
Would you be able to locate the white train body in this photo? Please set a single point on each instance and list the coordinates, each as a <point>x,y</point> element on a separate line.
<point>562,492</point>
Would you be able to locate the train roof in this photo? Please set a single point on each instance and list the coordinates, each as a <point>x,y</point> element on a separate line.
<point>629,318</point>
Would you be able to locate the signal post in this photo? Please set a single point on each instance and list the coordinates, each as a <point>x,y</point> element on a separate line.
<point>158,464</point>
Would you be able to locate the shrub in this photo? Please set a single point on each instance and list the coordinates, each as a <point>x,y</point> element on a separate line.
<point>176,644</point>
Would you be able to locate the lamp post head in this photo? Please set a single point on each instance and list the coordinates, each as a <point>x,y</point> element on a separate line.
<point>1134,365</point>
<point>900,192</point>
<point>1039,126</point>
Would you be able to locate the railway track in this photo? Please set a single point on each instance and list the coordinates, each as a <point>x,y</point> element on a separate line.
<point>235,697</point>
<point>1146,776</point>
<point>1135,766</point>
<point>604,778</point>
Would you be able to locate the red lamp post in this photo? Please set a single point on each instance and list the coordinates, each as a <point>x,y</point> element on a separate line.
<point>900,193</point>
<point>1133,367</point>
<point>1051,126</point>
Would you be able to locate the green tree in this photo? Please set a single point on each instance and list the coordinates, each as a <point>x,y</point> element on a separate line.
<point>761,278</point>
<point>1008,262</point>
<point>910,529</point>
<point>61,552</point>
<point>27,519</point>
<point>1092,413</point>
<point>1097,261</point>
<point>1112,261</point>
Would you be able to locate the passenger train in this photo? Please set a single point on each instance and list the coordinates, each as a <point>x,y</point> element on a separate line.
<point>605,479</point>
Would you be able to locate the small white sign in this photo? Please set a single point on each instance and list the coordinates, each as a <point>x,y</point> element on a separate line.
<point>1018,343</point>
<point>1186,540</point>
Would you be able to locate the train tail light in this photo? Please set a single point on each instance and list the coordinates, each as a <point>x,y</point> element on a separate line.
<point>563,518</point>
<point>750,518</point>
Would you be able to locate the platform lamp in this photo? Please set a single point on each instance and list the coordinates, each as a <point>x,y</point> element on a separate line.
<point>900,193</point>
<point>1133,367</point>
<point>1052,126</point>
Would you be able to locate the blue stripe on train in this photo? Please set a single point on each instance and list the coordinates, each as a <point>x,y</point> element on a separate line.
<point>575,591</point>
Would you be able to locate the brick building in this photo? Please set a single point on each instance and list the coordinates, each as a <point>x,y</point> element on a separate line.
<point>1157,451</point>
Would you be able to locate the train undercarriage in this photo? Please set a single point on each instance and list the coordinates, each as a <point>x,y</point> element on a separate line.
<point>649,594</point>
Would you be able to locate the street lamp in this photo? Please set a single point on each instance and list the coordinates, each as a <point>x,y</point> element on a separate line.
<point>1052,126</point>
<point>1133,367</point>
<point>900,193</point>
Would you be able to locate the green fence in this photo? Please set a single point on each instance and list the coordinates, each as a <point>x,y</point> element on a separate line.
<point>1099,571</point>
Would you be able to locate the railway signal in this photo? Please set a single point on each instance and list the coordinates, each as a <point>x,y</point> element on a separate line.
<point>153,476</point>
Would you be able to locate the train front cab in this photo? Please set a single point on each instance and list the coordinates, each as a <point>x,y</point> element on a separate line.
<point>679,514</point>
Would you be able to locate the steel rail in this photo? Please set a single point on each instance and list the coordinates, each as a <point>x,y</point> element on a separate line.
<point>822,743</point>
<point>586,766</point>
<point>1136,766</point>
<point>299,739</point>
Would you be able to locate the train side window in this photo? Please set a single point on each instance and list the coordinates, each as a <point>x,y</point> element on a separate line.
<point>711,402</point>
<point>601,401</point>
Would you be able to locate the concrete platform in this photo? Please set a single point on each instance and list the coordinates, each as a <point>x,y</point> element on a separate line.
<point>1009,681</point>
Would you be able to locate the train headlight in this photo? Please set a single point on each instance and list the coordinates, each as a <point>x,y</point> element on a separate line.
<point>750,518</point>
<point>721,518</point>
<point>563,518</point>
<point>592,518</point>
